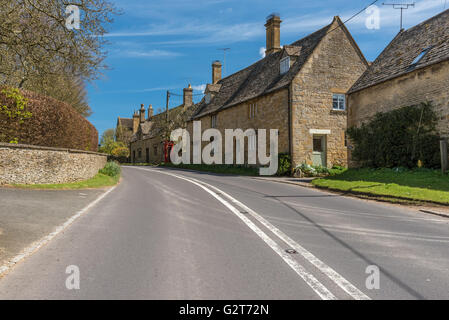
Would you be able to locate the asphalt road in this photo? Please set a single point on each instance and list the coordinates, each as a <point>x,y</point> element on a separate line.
<point>168,234</point>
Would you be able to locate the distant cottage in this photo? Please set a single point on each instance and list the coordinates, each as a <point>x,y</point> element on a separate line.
<point>413,68</point>
<point>299,89</point>
<point>148,133</point>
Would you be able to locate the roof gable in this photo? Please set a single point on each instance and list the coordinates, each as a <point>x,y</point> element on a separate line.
<point>125,123</point>
<point>398,57</point>
<point>263,76</point>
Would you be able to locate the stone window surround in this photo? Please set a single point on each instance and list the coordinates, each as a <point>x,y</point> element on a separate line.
<point>320,131</point>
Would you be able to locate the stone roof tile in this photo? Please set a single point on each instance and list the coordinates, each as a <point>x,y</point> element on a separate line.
<point>398,57</point>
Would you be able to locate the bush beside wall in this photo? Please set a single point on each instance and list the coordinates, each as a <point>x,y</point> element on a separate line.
<point>52,124</point>
<point>404,137</point>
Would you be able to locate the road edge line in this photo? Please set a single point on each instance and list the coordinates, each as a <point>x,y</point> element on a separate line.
<point>300,270</point>
<point>30,250</point>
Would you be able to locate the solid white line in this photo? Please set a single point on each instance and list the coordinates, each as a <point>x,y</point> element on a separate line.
<point>313,283</point>
<point>39,244</point>
<point>344,284</point>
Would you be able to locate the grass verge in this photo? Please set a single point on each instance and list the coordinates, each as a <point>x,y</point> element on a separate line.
<point>415,185</point>
<point>99,181</point>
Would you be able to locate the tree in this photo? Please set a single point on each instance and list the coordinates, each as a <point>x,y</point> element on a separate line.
<point>66,89</point>
<point>123,135</point>
<point>109,145</point>
<point>177,118</point>
<point>38,51</point>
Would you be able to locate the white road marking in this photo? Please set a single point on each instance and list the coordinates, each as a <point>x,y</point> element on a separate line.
<point>313,283</point>
<point>344,284</point>
<point>328,271</point>
<point>39,244</point>
<point>318,287</point>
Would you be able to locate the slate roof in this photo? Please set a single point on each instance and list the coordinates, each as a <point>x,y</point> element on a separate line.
<point>126,123</point>
<point>153,128</point>
<point>396,60</point>
<point>262,77</point>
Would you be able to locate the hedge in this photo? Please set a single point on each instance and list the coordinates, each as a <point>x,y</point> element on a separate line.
<point>404,137</point>
<point>43,121</point>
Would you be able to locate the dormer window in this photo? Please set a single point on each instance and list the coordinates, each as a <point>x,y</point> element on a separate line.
<point>285,65</point>
<point>421,56</point>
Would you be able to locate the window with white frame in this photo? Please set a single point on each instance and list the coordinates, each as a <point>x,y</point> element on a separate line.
<point>285,65</point>
<point>339,102</point>
<point>252,110</point>
<point>214,121</point>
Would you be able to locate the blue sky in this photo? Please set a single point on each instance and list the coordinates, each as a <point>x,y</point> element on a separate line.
<point>160,45</point>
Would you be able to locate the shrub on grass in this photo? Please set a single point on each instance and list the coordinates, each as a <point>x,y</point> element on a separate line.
<point>111,169</point>
<point>403,137</point>
<point>285,164</point>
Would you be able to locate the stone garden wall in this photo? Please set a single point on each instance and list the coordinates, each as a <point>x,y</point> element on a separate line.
<point>23,164</point>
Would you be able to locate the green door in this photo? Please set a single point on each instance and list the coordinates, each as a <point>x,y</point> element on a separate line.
<point>319,151</point>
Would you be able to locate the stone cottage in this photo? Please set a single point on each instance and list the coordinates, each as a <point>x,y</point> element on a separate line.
<point>126,128</point>
<point>413,68</point>
<point>299,89</point>
<point>148,143</point>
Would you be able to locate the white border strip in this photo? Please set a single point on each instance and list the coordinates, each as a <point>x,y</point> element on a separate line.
<point>39,244</point>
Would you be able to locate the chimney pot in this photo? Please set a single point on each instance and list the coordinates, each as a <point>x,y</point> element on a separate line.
<point>188,97</point>
<point>142,113</point>
<point>150,112</point>
<point>216,71</point>
<point>273,30</point>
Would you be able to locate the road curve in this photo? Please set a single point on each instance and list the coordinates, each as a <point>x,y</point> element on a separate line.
<point>170,234</point>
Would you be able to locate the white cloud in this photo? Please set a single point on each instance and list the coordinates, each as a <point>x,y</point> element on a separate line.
<point>149,54</point>
<point>200,87</point>
<point>262,52</point>
<point>180,31</point>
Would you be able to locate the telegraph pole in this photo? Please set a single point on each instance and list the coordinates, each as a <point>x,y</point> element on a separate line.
<point>167,119</point>
<point>400,6</point>
<point>224,59</point>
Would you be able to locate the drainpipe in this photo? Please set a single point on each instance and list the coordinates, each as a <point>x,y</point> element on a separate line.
<point>290,142</point>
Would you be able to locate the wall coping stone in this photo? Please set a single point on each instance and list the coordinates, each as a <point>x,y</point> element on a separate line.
<point>31,147</point>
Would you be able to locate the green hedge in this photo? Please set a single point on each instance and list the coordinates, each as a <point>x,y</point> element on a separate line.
<point>30,118</point>
<point>404,137</point>
<point>111,169</point>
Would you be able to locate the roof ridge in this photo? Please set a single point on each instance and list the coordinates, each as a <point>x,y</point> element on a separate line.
<point>426,21</point>
<point>311,34</point>
<point>291,44</point>
<point>395,59</point>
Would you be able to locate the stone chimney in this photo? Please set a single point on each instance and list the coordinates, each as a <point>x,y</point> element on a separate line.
<point>142,113</point>
<point>216,72</point>
<point>150,112</point>
<point>273,27</point>
<point>188,96</point>
<point>135,122</point>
